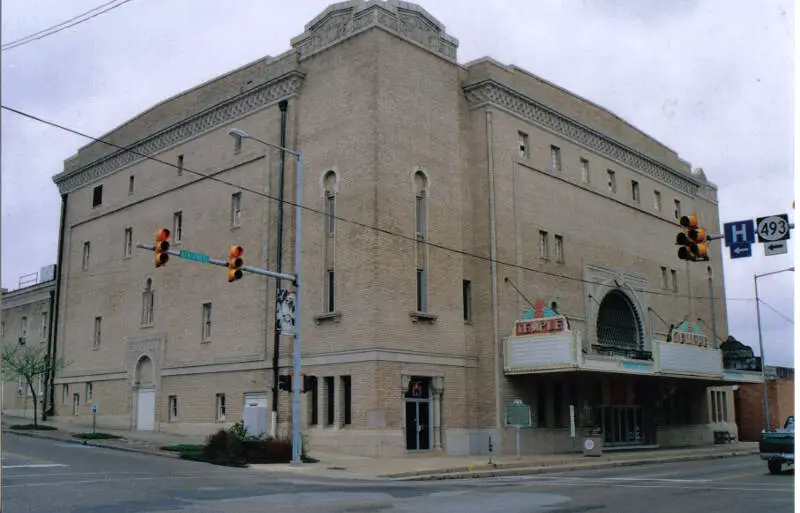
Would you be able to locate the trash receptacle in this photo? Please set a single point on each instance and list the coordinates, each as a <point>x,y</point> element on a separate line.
<point>592,446</point>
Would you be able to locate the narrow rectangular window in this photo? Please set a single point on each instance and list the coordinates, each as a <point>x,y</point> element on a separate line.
<point>724,401</point>
<point>422,293</point>
<point>172,406</point>
<point>20,385</point>
<point>523,145</point>
<point>97,196</point>
<point>180,165</point>
<point>330,212</point>
<point>130,184</point>
<point>544,245</point>
<point>559,248</point>
<point>76,404</point>
<point>677,209</point>
<point>128,248</point>
<point>612,181</point>
<point>555,158</point>
<point>64,394</point>
<point>585,171</point>
<point>541,404</point>
<point>329,401</point>
<point>674,280</point>
<point>206,322</point>
<point>314,416</point>
<point>98,322</point>
<point>43,328</point>
<point>466,294</point>
<point>24,330</point>
<point>657,200</point>
<point>237,145</point>
<point>222,408</point>
<point>177,227</point>
<point>3,329</point>
<point>330,291</point>
<point>664,284</point>
<point>635,191</point>
<point>347,397</point>
<point>236,209</point>
<point>89,391</point>
<point>87,249</point>
<point>421,217</point>
<point>40,385</point>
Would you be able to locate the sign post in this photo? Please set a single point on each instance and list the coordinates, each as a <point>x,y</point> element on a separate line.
<point>518,415</point>
<point>94,419</point>
<point>572,424</point>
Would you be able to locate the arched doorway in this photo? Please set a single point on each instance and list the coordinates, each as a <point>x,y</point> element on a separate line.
<point>618,323</point>
<point>145,395</point>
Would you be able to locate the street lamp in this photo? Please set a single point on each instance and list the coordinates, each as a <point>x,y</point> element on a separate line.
<point>297,379</point>
<point>761,341</point>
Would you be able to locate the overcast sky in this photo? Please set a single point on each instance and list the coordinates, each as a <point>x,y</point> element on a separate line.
<point>710,79</point>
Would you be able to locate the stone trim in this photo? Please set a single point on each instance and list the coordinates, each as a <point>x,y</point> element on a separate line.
<point>236,107</point>
<point>330,316</point>
<point>346,19</point>
<point>417,316</point>
<point>491,92</point>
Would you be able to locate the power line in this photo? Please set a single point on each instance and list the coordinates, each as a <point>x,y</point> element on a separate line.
<point>360,224</point>
<point>75,20</point>
<point>777,312</point>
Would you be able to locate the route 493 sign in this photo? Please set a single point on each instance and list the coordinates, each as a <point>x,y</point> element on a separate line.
<point>772,228</point>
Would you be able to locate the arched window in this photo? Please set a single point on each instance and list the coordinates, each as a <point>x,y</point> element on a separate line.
<point>147,303</point>
<point>618,324</point>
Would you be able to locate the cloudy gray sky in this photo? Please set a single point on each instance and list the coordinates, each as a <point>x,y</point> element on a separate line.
<point>712,79</point>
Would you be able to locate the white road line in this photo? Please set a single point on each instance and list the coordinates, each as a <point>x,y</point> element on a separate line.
<point>104,481</point>
<point>35,465</point>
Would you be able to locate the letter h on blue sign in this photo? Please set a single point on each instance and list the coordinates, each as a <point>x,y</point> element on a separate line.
<point>740,232</point>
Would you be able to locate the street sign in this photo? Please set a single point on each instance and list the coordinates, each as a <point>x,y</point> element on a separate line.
<point>741,250</point>
<point>94,409</point>
<point>191,255</point>
<point>739,232</point>
<point>775,248</point>
<point>773,228</point>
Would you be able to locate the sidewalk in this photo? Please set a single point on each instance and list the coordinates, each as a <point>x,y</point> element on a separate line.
<point>414,467</point>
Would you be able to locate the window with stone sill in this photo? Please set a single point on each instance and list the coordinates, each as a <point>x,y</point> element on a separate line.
<point>206,322</point>
<point>544,245</point>
<point>585,177</point>
<point>221,408</point>
<point>559,240</point>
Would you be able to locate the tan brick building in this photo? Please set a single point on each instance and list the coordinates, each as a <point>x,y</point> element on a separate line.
<point>749,399</point>
<point>492,189</point>
<point>26,318</point>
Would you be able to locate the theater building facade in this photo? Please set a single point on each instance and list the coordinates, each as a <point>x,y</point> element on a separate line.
<point>478,235</point>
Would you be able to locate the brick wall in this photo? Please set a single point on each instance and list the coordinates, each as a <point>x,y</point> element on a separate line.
<point>750,406</point>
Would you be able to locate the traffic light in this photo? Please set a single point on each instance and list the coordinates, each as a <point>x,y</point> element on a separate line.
<point>235,263</point>
<point>161,247</point>
<point>693,240</point>
<point>285,382</point>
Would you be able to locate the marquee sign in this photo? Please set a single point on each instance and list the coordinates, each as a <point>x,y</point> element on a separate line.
<point>689,334</point>
<point>540,320</point>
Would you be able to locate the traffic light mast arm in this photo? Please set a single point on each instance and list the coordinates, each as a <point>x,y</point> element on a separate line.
<point>224,263</point>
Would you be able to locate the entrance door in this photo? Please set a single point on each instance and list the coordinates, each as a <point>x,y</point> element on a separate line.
<point>418,414</point>
<point>254,415</point>
<point>622,425</point>
<point>146,410</point>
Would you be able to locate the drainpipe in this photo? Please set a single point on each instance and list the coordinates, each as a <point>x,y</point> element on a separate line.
<point>55,304</point>
<point>493,272</point>
<point>44,401</point>
<point>278,268</point>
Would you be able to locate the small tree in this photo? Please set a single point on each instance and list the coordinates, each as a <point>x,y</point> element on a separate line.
<point>31,362</point>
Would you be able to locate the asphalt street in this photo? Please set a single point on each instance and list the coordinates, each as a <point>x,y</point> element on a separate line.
<point>45,476</point>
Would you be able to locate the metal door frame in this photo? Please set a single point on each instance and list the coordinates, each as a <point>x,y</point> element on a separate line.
<point>429,429</point>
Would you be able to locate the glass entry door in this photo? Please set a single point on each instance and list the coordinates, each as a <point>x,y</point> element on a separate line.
<point>622,425</point>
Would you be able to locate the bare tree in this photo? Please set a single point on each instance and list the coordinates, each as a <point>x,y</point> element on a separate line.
<point>31,363</point>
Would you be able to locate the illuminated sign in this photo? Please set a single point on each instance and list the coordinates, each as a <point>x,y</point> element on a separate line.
<point>540,320</point>
<point>688,334</point>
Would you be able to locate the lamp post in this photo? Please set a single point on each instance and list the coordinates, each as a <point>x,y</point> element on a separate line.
<point>761,341</point>
<point>297,378</point>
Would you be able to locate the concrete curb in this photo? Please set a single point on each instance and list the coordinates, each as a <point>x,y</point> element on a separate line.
<point>546,469</point>
<point>90,443</point>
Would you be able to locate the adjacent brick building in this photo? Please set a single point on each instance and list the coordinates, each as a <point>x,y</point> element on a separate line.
<point>496,195</point>
<point>749,400</point>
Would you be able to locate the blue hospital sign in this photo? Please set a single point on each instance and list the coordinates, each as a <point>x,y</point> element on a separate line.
<point>740,232</point>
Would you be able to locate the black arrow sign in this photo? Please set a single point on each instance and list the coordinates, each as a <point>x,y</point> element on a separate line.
<point>773,247</point>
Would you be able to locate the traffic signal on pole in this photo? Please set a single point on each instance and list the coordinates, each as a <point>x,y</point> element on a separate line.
<point>235,263</point>
<point>161,247</point>
<point>693,240</point>
<point>285,382</point>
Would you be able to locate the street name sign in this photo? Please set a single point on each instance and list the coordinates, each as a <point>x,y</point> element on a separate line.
<point>741,250</point>
<point>94,409</point>
<point>739,232</point>
<point>191,255</point>
<point>775,248</point>
<point>773,228</point>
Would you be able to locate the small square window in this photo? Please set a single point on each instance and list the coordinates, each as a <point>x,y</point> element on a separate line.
<point>97,196</point>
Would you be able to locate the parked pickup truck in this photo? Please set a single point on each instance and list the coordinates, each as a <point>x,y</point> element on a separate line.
<point>777,446</point>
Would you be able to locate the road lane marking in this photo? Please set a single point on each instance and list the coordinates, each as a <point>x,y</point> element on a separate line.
<point>35,465</point>
<point>104,481</point>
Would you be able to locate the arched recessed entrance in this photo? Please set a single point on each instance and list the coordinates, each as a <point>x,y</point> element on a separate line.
<point>618,323</point>
<point>145,395</point>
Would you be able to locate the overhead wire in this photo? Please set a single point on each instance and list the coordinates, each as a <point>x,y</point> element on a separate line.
<point>360,224</point>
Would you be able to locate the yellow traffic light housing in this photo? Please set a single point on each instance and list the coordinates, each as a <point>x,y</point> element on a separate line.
<point>161,247</point>
<point>235,263</point>
<point>693,240</point>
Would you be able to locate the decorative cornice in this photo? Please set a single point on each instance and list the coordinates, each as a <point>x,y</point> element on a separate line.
<point>403,19</point>
<point>492,92</point>
<point>29,295</point>
<point>270,92</point>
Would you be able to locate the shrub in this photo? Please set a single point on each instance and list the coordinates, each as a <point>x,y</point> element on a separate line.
<point>96,436</point>
<point>222,448</point>
<point>275,450</point>
<point>31,427</point>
